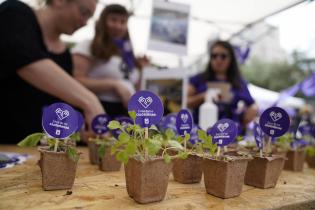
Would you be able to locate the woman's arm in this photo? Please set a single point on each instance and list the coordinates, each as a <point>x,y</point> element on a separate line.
<point>83,64</point>
<point>194,99</point>
<point>49,77</point>
<point>250,113</point>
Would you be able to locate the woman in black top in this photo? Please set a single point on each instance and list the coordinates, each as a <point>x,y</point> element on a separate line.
<point>35,65</point>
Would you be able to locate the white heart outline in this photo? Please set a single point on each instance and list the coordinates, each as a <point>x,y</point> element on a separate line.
<point>222,126</point>
<point>145,102</point>
<point>62,114</point>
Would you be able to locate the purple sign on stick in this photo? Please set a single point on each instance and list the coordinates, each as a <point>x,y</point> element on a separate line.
<point>274,122</point>
<point>223,132</point>
<point>100,123</point>
<point>259,136</point>
<point>148,107</point>
<point>184,122</point>
<point>60,120</point>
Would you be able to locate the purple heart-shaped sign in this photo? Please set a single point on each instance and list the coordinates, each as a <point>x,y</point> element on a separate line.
<point>223,132</point>
<point>99,124</point>
<point>60,120</point>
<point>148,107</point>
<point>274,121</point>
<point>184,122</point>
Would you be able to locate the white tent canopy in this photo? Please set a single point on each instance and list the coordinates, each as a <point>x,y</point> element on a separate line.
<point>266,98</point>
<point>209,19</point>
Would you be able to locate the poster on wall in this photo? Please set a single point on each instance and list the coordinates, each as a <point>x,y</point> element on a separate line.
<point>169,27</point>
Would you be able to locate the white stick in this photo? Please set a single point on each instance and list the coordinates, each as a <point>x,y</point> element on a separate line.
<point>56,145</point>
<point>146,137</point>
<point>185,142</point>
<point>219,151</point>
<point>261,154</point>
<point>225,148</point>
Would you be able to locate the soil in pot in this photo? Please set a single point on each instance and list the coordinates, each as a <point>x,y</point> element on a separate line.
<point>109,162</point>
<point>295,160</point>
<point>58,170</point>
<point>310,161</point>
<point>224,179</point>
<point>188,171</point>
<point>263,172</point>
<point>147,181</point>
<point>93,155</point>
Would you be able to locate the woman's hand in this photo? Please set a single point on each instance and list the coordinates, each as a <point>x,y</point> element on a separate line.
<point>124,91</point>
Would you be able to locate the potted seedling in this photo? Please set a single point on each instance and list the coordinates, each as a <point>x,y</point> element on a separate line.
<point>58,160</point>
<point>265,168</point>
<point>296,156</point>
<point>107,161</point>
<point>223,174</point>
<point>188,170</point>
<point>138,147</point>
<point>282,144</point>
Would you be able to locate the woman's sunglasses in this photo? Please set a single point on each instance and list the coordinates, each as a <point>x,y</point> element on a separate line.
<point>222,56</point>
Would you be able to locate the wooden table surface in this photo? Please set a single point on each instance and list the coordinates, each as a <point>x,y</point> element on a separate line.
<point>20,188</point>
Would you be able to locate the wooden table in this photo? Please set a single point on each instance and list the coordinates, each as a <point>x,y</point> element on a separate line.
<point>20,188</point>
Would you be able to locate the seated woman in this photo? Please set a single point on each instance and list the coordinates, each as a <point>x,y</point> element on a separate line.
<point>106,64</point>
<point>223,67</point>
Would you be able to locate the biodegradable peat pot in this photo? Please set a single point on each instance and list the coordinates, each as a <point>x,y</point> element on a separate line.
<point>109,162</point>
<point>93,154</point>
<point>189,170</point>
<point>310,161</point>
<point>264,172</point>
<point>295,160</point>
<point>147,181</point>
<point>224,179</point>
<point>58,170</point>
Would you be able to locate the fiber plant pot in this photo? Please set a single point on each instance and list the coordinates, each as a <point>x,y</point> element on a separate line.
<point>310,161</point>
<point>295,160</point>
<point>93,154</point>
<point>224,179</point>
<point>263,172</point>
<point>188,171</point>
<point>109,162</point>
<point>147,181</point>
<point>58,170</point>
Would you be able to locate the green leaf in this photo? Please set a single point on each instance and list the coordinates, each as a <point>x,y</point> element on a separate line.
<point>76,136</point>
<point>122,156</point>
<point>182,155</point>
<point>133,115</point>
<point>167,158</point>
<point>31,140</point>
<point>175,144</point>
<point>180,139</point>
<point>310,151</point>
<point>73,154</point>
<point>101,151</point>
<point>170,134</point>
<point>131,148</point>
<point>124,137</point>
<point>239,138</point>
<point>202,135</point>
<point>114,124</point>
<point>152,146</point>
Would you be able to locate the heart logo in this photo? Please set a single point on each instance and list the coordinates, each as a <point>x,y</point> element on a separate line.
<point>102,120</point>
<point>62,114</point>
<point>223,126</point>
<point>145,102</point>
<point>184,117</point>
<point>275,116</point>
